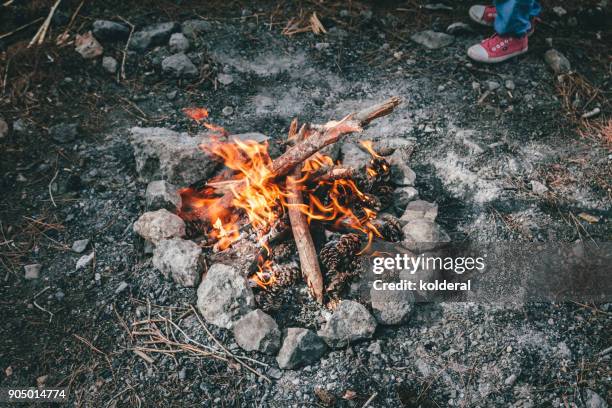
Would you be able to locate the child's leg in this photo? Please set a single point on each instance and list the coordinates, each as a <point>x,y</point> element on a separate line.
<point>513,16</point>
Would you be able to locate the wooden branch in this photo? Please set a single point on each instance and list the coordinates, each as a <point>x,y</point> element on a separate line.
<point>309,261</point>
<point>319,136</point>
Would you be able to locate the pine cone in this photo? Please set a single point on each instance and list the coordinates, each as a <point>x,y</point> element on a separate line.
<point>390,228</point>
<point>337,255</point>
<point>385,195</point>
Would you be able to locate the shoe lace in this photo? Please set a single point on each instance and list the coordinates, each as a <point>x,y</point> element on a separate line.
<point>493,40</point>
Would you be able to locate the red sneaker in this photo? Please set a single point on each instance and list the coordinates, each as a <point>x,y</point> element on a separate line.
<point>498,48</point>
<point>484,15</point>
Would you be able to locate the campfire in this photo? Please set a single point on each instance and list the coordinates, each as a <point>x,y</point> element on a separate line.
<point>301,190</point>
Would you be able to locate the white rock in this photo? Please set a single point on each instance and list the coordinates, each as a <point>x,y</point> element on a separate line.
<point>178,43</point>
<point>224,296</point>
<point>423,235</point>
<point>179,259</point>
<point>432,40</point>
<point>161,194</point>
<point>300,347</point>
<point>557,61</point>
<point>350,322</point>
<point>85,260</point>
<point>109,64</point>
<point>257,331</point>
<point>225,79</point>
<point>157,225</point>
<point>88,46</point>
<point>32,271</point>
<point>419,209</point>
<point>80,245</point>
<point>537,187</point>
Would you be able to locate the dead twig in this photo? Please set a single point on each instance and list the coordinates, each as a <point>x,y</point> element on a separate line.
<point>125,49</point>
<point>40,35</point>
<point>5,35</point>
<point>229,353</point>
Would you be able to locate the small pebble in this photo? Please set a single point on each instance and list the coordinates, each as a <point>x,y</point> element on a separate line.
<point>32,271</point>
<point>122,286</point>
<point>227,111</point>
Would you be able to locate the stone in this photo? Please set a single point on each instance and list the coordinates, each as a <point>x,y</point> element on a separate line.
<point>4,128</point>
<point>88,46</point>
<point>401,173</point>
<point>375,348</point>
<point>388,145</point>
<point>493,85</point>
<point>391,307</point>
<point>557,61</point>
<point>459,28</point>
<point>64,132</point>
<point>178,43</point>
<point>123,285</point>
<point>432,39</point>
<point>224,296</point>
<point>80,245</point>
<point>110,65</point>
<point>537,187</point>
<point>510,380</point>
<point>510,85</point>
<point>179,66</point>
<point>105,30</point>
<point>353,156</point>
<point>85,260</point>
<point>350,322</point>
<point>300,347</point>
<point>419,209</point>
<point>32,271</point>
<point>179,259</point>
<point>423,235</point>
<point>150,36</point>
<point>257,331</point>
<point>157,225</point>
<point>402,196</point>
<point>225,79</point>
<point>437,6</point>
<point>593,400</point>
<point>322,46</point>
<point>192,28</point>
<point>161,194</point>
<point>559,11</point>
<point>227,111</point>
<point>175,157</point>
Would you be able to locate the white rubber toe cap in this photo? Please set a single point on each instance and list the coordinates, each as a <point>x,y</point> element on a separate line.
<point>478,53</point>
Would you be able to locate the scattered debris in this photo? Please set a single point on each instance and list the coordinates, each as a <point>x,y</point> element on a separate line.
<point>432,39</point>
<point>591,114</point>
<point>537,187</point>
<point>85,260</point>
<point>32,271</point>
<point>88,46</point>
<point>437,6</point>
<point>110,64</point>
<point>591,219</point>
<point>557,61</point>
<point>459,28</point>
<point>80,245</point>
<point>4,128</point>
<point>64,132</point>
<point>178,43</point>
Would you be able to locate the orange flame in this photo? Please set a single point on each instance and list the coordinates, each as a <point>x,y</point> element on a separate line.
<point>263,198</point>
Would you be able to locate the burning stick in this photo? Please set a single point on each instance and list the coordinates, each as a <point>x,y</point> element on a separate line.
<point>318,137</point>
<point>309,260</point>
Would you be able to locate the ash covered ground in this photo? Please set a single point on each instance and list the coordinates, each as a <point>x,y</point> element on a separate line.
<point>496,147</point>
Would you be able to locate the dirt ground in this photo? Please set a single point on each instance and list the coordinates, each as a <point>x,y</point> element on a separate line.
<point>477,155</point>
